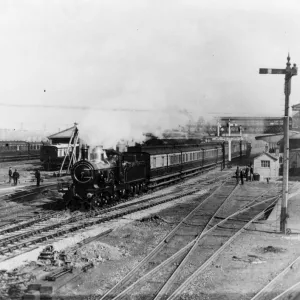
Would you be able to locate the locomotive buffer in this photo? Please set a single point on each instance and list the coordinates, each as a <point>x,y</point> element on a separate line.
<point>288,72</point>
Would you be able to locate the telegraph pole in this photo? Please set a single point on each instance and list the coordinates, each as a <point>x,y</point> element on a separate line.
<point>289,72</point>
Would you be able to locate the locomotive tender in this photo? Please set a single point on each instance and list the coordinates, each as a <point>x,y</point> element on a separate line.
<point>109,175</point>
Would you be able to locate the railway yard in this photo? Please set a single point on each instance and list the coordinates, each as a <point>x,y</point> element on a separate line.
<point>201,238</point>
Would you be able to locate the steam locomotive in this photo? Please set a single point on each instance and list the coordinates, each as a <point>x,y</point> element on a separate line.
<point>104,176</point>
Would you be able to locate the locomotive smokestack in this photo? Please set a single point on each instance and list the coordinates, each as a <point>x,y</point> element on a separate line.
<point>84,152</point>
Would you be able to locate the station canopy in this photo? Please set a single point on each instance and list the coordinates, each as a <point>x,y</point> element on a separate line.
<point>274,138</point>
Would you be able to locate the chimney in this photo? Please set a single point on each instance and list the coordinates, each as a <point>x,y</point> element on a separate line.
<point>84,152</point>
<point>266,148</point>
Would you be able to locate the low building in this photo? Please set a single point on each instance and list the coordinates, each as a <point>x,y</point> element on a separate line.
<point>266,165</point>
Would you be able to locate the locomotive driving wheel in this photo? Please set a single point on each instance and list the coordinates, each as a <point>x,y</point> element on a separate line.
<point>96,203</point>
<point>106,198</point>
<point>138,189</point>
<point>116,195</point>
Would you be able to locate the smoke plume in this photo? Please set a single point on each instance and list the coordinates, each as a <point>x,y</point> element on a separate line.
<point>108,128</point>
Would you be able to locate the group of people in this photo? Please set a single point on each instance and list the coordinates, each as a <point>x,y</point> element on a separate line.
<point>244,172</point>
<point>15,176</point>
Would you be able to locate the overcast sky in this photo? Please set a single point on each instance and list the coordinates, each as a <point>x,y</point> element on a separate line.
<point>151,57</point>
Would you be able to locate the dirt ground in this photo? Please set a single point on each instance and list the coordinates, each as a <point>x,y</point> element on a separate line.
<point>26,170</point>
<point>239,272</point>
<point>245,266</point>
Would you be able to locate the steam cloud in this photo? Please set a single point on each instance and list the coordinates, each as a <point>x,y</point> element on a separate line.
<point>108,128</point>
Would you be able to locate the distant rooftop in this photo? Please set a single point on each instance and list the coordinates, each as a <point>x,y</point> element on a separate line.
<point>67,133</point>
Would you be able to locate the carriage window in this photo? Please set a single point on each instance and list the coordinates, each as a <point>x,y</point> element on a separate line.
<point>154,162</point>
<point>162,161</point>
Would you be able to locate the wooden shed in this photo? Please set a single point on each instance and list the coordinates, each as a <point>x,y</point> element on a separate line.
<point>266,165</point>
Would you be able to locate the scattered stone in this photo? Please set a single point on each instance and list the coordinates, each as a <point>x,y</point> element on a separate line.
<point>150,218</point>
<point>273,249</point>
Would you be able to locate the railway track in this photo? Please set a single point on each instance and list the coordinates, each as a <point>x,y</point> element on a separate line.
<point>277,289</point>
<point>180,257</point>
<point>29,233</point>
<point>32,218</point>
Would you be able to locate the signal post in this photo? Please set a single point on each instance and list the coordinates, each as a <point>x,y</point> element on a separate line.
<point>229,138</point>
<point>289,72</point>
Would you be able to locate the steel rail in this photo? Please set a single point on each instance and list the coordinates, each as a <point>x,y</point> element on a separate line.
<point>133,272</point>
<point>282,273</point>
<point>188,247</point>
<point>164,289</point>
<point>181,288</point>
<point>92,214</point>
<point>286,291</point>
<point>81,225</point>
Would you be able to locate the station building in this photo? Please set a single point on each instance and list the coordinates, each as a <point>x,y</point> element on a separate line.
<point>274,144</point>
<point>266,165</point>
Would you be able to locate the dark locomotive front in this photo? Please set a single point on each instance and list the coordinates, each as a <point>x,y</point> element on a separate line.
<point>106,176</point>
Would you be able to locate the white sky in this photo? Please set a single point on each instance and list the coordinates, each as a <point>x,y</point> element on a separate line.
<point>158,55</point>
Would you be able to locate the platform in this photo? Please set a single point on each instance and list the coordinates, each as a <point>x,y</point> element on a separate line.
<point>293,211</point>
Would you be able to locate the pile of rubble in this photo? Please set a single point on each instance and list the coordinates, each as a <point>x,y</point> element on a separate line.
<point>81,257</point>
<point>38,291</point>
<point>13,284</point>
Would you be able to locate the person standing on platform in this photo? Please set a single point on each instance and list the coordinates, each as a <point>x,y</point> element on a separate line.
<point>247,173</point>
<point>237,174</point>
<point>10,175</point>
<point>242,176</point>
<point>16,176</point>
<point>38,177</point>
